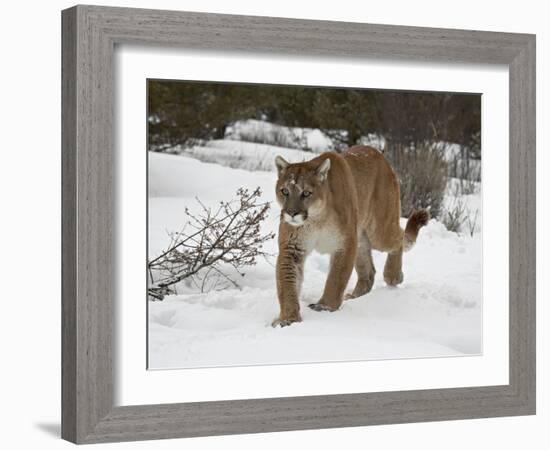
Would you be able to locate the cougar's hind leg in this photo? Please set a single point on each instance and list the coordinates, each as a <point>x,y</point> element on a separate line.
<point>393,271</point>
<point>364,267</point>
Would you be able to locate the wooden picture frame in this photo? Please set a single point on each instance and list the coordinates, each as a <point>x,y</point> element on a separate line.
<point>90,34</point>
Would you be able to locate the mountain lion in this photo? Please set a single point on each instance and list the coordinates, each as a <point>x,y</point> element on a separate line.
<point>345,205</point>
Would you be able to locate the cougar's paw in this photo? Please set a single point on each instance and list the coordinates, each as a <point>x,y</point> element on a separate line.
<point>283,322</point>
<point>361,288</point>
<point>321,307</point>
<point>394,279</point>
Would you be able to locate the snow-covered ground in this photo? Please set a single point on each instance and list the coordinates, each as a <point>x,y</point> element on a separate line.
<point>435,312</point>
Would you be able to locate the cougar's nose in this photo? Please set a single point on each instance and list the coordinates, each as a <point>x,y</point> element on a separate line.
<point>292,212</point>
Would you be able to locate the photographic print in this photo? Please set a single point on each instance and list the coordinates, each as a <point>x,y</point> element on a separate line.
<point>302,224</point>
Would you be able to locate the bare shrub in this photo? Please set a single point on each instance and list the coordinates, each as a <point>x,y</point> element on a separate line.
<point>280,137</point>
<point>422,172</point>
<point>273,135</point>
<point>464,168</point>
<point>252,134</point>
<point>468,187</point>
<point>227,237</point>
<point>454,217</point>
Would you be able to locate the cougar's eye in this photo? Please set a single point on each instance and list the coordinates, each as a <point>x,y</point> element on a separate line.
<point>284,191</point>
<point>306,194</point>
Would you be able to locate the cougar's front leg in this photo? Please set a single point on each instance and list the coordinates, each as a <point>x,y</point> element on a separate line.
<point>290,270</point>
<point>341,266</point>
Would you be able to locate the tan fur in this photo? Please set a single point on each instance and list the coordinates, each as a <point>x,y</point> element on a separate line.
<point>345,207</point>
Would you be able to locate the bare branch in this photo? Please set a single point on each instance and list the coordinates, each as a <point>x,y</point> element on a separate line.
<point>230,237</point>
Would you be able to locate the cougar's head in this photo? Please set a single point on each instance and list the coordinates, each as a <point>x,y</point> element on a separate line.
<point>301,189</point>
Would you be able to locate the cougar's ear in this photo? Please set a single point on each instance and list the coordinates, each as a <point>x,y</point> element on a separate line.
<point>323,168</point>
<point>281,164</point>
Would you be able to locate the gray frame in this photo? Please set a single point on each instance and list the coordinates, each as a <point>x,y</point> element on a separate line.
<point>90,34</point>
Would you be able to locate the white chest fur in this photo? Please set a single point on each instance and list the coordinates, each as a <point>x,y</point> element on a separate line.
<point>327,239</point>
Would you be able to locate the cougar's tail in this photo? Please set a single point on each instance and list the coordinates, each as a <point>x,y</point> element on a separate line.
<point>417,220</point>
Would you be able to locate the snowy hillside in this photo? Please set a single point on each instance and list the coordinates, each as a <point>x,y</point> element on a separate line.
<point>435,312</point>
<point>244,155</point>
<point>253,145</point>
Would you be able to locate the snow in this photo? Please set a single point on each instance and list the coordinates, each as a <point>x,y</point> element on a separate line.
<point>435,312</point>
